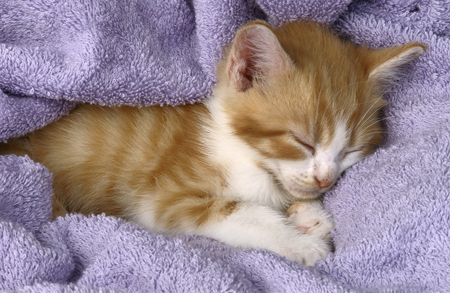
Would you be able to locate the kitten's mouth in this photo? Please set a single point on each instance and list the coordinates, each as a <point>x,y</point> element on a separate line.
<point>304,194</point>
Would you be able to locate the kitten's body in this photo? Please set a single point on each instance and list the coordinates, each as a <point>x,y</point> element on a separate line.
<point>293,108</point>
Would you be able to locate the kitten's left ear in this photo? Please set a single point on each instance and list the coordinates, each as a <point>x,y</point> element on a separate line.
<point>256,54</point>
<point>385,64</point>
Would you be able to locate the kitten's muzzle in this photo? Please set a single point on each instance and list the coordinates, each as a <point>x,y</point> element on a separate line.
<point>314,190</point>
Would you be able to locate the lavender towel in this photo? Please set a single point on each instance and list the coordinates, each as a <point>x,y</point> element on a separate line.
<point>392,210</point>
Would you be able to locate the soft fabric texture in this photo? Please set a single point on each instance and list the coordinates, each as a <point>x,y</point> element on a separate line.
<point>391,210</point>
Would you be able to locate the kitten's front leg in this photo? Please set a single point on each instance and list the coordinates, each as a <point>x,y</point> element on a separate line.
<point>310,217</point>
<point>256,226</point>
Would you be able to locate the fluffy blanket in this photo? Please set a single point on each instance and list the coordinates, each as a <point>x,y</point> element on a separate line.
<point>392,210</point>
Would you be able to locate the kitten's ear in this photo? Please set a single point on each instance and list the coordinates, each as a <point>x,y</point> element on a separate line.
<point>255,56</point>
<point>385,64</point>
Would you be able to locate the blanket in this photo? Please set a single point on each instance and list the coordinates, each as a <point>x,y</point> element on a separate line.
<point>392,209</point>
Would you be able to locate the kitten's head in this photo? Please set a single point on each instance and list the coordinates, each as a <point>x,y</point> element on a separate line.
<point>305,101</point>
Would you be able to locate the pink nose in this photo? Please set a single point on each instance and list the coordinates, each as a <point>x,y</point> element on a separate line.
<point>323,183</point>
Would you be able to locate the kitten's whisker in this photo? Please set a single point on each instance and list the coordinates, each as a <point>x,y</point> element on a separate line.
<point>370,134</point>
<point>376,121</point>
<point>376,132</point>
<point>329,103</point>
<point>324,112</point>
<point>352,83</point>
<point>344,87</point>
<point>362,119</point>
<point>317,105</point>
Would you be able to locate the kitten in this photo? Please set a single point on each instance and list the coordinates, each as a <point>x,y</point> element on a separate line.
<point>293,108</point>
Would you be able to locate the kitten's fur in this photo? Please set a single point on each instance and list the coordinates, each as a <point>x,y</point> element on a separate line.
<point>293,108</point>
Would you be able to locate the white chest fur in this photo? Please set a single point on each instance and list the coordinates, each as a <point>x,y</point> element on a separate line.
<point>246,179</point>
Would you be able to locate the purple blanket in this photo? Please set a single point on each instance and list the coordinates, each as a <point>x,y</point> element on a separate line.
<point>392,210</point>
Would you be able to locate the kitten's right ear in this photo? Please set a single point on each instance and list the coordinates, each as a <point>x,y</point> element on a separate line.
<point>256,54</point>
<point>385,64</point>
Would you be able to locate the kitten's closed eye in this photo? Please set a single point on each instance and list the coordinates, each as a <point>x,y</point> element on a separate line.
<point>304,143</point>
<point>351,152</point>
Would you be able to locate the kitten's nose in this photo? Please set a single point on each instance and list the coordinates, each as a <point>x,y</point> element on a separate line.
<point>323,183</point>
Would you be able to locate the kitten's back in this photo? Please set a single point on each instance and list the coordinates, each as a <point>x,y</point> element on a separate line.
<point>101,156</point>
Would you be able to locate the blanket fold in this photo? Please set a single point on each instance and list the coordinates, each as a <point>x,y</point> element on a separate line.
<point>391,210</point>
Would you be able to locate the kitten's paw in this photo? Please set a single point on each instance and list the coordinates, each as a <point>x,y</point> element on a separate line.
<point>255,226</point>
<point>307,249</point>
<point>310,218</point>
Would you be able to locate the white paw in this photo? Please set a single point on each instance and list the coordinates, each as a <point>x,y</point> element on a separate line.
<point>255,226</point>
<point>310,218</point>
<point>306,249</point>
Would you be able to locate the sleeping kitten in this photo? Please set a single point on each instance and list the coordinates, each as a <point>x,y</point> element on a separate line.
<point>293,108</point>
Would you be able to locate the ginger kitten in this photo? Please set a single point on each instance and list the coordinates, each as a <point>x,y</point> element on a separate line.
<point>293,108</point>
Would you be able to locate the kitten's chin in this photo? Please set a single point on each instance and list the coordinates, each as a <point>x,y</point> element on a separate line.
<point>304,194</point>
